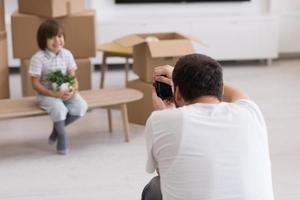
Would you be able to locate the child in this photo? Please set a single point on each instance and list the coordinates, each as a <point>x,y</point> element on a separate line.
<point>64,107</point>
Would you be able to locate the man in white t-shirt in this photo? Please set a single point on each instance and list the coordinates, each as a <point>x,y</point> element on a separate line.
<point>213,145</point>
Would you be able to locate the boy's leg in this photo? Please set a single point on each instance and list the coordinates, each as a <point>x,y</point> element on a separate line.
<point>58,112</point>
<point>53,136</point>
<point>61,137</point>
<point>152,190</point>
<point>70,119</point>
<point>77,107</point>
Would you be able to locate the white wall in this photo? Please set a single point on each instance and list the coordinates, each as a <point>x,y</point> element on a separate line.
<point>108,11</point>
<point>216,24</point>
<point>10,6</point>
<point>285,6</point>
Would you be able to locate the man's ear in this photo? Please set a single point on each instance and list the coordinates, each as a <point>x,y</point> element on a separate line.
<point>177,97</point>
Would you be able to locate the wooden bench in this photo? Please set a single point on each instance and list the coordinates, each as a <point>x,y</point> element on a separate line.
<point>27,106</point>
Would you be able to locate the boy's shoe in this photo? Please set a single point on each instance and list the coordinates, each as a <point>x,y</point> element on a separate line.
<point>52,139</point>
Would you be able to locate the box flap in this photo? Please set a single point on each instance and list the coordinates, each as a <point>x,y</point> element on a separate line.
<point>129,40</point>
<point>190,37</point>
<point>160,35</point>
<point>170,48</point>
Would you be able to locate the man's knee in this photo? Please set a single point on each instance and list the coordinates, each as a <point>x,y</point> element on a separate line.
<point>152,190</point>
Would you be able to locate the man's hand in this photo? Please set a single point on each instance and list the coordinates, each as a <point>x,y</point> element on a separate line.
<point>160,104</point>
<point>163,74</point>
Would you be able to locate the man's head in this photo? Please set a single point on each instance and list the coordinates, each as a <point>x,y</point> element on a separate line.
<point>197,75</point>
<point>50,35</point>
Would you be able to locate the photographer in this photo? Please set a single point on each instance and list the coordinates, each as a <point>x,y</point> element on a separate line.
<point>209,141</point>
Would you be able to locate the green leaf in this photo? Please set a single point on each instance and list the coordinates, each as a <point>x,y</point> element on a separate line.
<point>59,78</point>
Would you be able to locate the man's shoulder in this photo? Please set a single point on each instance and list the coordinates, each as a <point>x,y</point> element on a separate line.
<point>165,122</point>
<point>246,103</point>
<point>166,116</point>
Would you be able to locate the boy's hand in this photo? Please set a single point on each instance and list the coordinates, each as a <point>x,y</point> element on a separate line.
<point>68,95</point>
<point>57,94</point>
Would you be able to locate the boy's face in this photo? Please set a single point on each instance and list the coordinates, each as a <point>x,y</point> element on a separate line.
<point>55,43</point>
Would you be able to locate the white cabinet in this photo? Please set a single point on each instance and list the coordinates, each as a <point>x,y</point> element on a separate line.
<point>238,38</point>
<point>289,33</point>
<point>289,24</point>
<point>224,38</point>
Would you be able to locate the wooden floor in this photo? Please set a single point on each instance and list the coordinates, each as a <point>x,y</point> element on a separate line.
<point>101,166</point>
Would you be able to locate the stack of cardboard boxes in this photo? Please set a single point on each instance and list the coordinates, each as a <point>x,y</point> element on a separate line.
<point>79,28</point>
<point>151,50</point>
<point>4,72</point>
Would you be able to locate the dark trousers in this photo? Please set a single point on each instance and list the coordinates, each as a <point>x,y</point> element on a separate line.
<point>152,190</point>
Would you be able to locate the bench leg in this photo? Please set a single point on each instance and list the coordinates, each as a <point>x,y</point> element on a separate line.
<point>125,121</point>
<point>103,70</point>
<point>126,71</point>
<point>109,120</point>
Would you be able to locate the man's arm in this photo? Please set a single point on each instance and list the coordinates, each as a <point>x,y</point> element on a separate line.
<point>151,164</point>
<point>232,94</point>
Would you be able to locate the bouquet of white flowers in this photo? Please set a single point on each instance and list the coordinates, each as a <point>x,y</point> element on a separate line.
<point>61,82</point>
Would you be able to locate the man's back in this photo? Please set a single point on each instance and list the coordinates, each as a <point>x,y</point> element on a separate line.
<point>210,151</point>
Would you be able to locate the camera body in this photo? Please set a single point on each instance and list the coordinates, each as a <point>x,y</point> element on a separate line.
<point>163,90</point>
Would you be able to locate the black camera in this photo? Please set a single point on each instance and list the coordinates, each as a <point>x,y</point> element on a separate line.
<point>163,90</point>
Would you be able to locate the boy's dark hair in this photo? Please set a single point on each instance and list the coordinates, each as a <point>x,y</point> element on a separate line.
<point>198,75</point>
<point>48,29</point>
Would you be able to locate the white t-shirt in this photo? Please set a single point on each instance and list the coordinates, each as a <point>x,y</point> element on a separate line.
<point>210,152</point>
<point>44,62</point>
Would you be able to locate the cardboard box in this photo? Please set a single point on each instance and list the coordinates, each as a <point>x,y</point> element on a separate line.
<point>79,30</point>
<point>139,111</point>
<point>51,8</point>
<point>83,75</point>
<point>154,49</point>
<point>4,70</point>
<point>27,89</point>
<point>2,16</point>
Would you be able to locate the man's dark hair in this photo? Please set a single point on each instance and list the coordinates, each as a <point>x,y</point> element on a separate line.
<point>48,29</point>
<point>198,75</point>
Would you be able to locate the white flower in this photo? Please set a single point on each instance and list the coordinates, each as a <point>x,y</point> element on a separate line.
<point>151,38</point>
<point>54,86</point>
<point>64,87</point>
